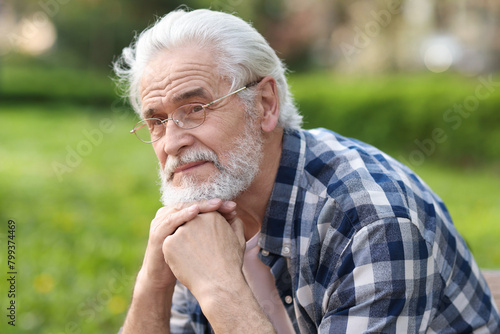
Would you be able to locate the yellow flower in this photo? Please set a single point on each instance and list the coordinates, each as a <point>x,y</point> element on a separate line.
<point>117,304</point>
<point>44,283</point>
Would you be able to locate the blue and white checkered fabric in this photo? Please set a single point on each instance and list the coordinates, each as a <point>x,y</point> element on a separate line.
<point>359,243</point>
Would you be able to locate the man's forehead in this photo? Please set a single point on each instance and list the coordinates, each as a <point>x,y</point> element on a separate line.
<point>178,71</point>
<point>179,61</point>
<point>155,75</point>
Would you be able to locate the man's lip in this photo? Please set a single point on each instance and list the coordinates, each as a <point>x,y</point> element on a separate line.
<point>189,165</point>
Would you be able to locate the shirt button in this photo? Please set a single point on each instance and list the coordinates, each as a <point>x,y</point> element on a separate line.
<point>286,250</point>
<point>288,299</point>
<point>265,252</point>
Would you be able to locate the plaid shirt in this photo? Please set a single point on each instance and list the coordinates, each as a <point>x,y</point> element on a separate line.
<point>357,242</point>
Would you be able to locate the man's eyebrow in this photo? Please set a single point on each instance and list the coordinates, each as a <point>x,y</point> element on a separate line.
<point>197,92</point>
<point>148,113</point>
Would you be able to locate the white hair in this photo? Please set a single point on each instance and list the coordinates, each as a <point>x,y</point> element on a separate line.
<point>244,56</point>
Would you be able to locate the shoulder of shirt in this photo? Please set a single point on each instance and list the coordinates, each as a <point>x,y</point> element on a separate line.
<point>364,182</point>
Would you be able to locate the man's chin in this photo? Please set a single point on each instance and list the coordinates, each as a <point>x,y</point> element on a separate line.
<point>189,182</point>
<point>171,194</point>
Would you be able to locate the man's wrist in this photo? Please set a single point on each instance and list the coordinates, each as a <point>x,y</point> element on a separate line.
<point>150,309</point>
<point>144,286</point>
<point>144,278</point>
<point>210,292</point>
<point>232,308</point>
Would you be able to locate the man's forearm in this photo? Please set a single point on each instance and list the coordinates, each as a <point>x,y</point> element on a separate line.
<point>149,311</point>
<point>235,310</point>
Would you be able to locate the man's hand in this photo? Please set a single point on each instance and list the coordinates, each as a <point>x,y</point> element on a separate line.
<point>206,253</point>
<point>152,299</point>
<point>155,270</point>
<point>206,256</point>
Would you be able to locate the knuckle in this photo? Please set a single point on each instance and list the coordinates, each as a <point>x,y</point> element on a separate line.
<point>166,243</point>
<point>165,217</point>
<point>179,206</point>
<point>214,215</point>
<point>165,210</point>
<point>209,214</point>
<point>209,218</point>
<point>160,211</point>
<point>160,226</point>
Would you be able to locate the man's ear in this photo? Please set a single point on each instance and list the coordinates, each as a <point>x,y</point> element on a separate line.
<point>268,104</point>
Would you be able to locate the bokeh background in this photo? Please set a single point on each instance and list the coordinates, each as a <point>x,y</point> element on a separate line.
<point>416,78</point>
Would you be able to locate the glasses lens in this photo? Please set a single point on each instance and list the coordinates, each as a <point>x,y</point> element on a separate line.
<point>150,130</point>
<point>189,116</point>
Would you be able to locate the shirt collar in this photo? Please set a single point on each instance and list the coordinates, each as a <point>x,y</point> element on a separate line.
<point>276,231</point>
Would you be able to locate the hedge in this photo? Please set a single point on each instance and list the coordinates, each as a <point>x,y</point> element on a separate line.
<point>447,117</point>
<point>442,117</point>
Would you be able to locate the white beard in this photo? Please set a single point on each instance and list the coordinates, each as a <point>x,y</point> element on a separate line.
<point>230,180</point>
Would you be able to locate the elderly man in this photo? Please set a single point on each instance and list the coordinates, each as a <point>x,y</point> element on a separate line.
<point>267,227</point>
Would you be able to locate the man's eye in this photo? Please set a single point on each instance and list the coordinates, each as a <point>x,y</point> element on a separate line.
<point>154,122</point>
<point>196,108</point>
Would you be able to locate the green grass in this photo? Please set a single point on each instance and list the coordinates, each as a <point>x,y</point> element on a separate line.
<point>473,199</point>
<point>81,235</point>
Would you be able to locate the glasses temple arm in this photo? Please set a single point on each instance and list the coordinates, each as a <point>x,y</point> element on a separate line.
<point>227,95</point>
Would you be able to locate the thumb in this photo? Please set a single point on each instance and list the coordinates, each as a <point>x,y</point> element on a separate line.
<point>238,229</point>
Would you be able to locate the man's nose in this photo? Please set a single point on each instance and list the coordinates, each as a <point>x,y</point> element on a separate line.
<point>175,138</point>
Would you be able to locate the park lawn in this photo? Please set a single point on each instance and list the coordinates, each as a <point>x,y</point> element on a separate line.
<point>81,230</point>
<point>82,191</point>
<point>473,199</point>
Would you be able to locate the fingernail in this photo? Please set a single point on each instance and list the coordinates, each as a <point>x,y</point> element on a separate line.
<point>193,208</point>
<point>214,201</point>
<point>230,205</point>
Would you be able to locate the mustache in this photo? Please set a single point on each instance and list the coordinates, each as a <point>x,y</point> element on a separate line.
<point>173,162</point>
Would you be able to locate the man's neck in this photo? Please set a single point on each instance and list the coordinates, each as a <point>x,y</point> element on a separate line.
<point>252,203</point>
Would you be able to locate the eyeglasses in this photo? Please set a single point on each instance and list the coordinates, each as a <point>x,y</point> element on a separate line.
<point>188,116</point>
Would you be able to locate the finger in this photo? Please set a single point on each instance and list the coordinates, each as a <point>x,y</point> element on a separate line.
<point>214,204</point>
<point>204,205</point>
<point>209,205</point>
<point>227,207</point>
<point>239,229</point>
<point>166,223</point>
<point>228,211</point>
<point>229,217</point>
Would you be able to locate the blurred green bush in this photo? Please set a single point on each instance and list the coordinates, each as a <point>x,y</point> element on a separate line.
<point>442,117</point>
<point>25,82</point>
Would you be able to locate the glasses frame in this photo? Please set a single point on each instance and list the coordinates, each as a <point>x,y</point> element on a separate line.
<point>203,106</point>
